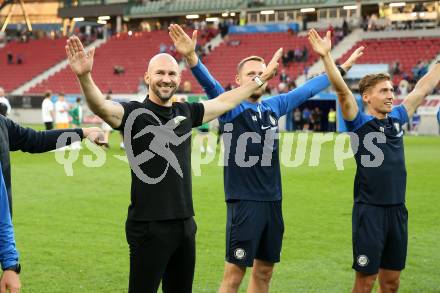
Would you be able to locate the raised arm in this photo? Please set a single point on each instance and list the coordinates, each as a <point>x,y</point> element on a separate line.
<point>284,103</point>
<point>81,64</point>
<point>345,96</point>
<point>423,87</point>
<point>186,46</point>
<point>229,100</point>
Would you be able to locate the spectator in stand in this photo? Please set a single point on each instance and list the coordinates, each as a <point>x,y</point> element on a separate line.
<point>19,59</point>
<point>331,120</point>
<point>283,76</point>
<point>298,55</point>
<point>296,120</point>
<point>403,87</point>
<point>10,58</point>
<point>285,59</point>
<point>415,71</point>
<point>305,54</point>
<point>118,70</point>
<point>291,85</point>
<point>229,87</point>
<point>423,69</point>
<point>306,71</point>
<point>345,29</point>
<point>395,68</point>
<point>306,114</point>
<point>290,56</point>
<point>163,48</point>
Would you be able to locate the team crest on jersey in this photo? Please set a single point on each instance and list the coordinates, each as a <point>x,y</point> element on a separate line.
<point>382,129</point>
<point>254,118</point>
<point>362,260</point>
<point>239,253</point>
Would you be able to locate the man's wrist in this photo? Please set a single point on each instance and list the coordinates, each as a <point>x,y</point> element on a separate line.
<point>15,268</point>
<point>346,66</point>
<point>259,80</point>
<point>83,133</point>
<point>84,76</point>
<point>342,71</point>
<point>192,59</point>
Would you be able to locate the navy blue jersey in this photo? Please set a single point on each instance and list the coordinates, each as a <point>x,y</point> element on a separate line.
<point>381,174</point>
<point>253,172</point>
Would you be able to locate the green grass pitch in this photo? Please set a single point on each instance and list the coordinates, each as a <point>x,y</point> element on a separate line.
<point>70,230</point>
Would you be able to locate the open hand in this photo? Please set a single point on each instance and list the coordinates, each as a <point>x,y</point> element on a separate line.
<point>80,62</point>
<point>272,67</point>
<point>322,46</point>
<point>183,43</point>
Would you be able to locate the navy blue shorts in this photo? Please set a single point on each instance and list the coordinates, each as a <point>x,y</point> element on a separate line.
<point>254,230</point>
<point>380,238</point>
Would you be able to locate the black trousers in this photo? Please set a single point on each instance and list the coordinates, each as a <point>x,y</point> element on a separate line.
<point>49,125</point>
<point>161,251</point>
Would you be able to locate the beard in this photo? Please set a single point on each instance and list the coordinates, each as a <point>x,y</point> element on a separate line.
<point>164,97</point>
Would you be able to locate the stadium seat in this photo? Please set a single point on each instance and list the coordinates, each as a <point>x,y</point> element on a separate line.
<point>37,56</point>
<point>406,51</point>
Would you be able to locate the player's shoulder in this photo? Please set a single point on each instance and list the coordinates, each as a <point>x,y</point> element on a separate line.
<point>132,105</point>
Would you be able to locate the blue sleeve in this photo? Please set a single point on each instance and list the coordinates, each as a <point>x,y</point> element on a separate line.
<point>213,89</point>
<point>8,252</point>
<point>358,122</point>
<point>29,140</point>
<point>285,103</point>
<point>400,113</point>
<point>211,86</point>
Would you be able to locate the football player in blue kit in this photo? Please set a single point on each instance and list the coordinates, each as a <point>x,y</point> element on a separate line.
<point>380,218</point>
<point>252,179</point>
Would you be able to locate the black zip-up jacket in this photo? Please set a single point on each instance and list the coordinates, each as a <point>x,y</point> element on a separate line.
<point>13,137</point>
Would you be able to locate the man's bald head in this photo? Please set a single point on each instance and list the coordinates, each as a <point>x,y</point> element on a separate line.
<point>162,76</point>
<point>163,59</point>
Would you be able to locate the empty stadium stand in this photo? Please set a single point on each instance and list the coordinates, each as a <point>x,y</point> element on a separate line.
<point>129,52</point>
<point>407,52</point>
<point>37,56</point>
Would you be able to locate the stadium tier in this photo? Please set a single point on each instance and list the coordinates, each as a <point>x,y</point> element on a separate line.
<point>406,51</point>
<point>36,57</point>
<point>129,53</point>
<point>133,52</point>
<point>222,62</point>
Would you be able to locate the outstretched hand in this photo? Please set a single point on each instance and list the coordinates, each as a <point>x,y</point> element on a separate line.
<point>322,46</point>
<point>272,66</point>
<point>355,56</point>
<point>80,62</point>
<point>183,43</point>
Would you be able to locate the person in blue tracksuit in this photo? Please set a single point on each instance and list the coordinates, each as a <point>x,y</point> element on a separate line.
<point>380,217</point>
<point>252,180</point>
<point>8,252</point>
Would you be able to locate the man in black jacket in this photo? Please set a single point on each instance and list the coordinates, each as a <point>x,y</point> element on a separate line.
<point>13,137</point>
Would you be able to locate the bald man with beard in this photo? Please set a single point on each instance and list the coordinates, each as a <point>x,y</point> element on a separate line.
<point>160,228</point>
